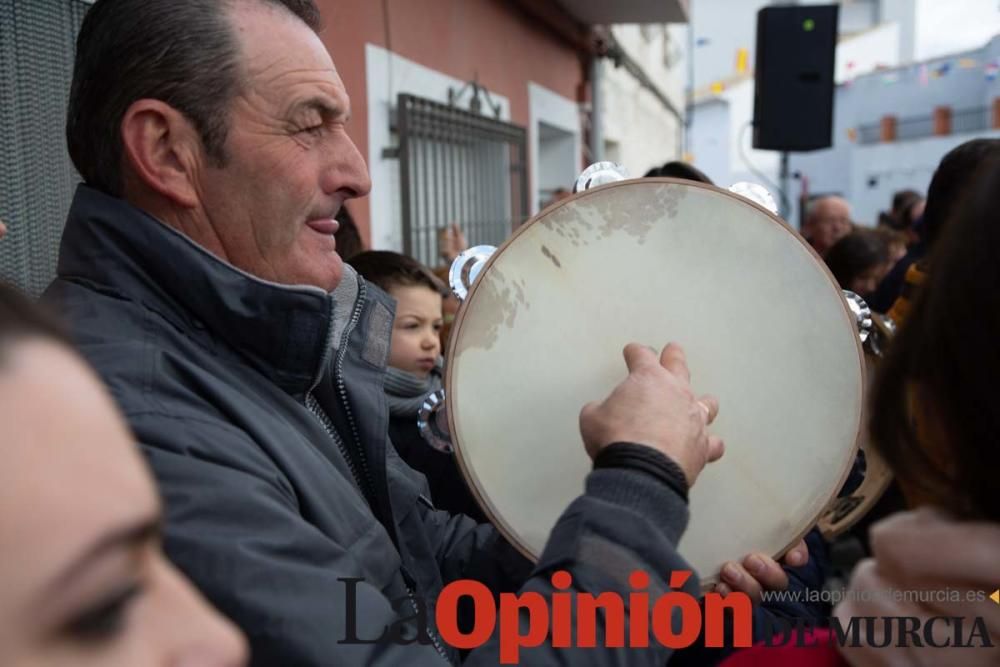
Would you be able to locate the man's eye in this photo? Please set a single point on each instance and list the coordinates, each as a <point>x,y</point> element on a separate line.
<point>106,619</point>
<point>314,130</point>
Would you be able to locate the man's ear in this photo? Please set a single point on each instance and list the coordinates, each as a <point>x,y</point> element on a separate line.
<point>162,149</point>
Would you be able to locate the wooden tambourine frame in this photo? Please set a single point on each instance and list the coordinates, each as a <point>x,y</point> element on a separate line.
<point>844,512</point>
<point>848,345</point>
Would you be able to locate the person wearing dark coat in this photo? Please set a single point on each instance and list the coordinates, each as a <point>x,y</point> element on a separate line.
<point>198,275</point>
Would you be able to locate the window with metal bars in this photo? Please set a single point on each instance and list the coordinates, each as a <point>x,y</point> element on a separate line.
<point>37,42</point>
<point>458,167</point>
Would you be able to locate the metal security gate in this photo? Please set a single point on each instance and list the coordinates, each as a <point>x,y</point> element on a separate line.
<point>457,166</point>
<point>37,42</point>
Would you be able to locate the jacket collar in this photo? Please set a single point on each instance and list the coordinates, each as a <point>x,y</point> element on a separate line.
<point>285,332</point>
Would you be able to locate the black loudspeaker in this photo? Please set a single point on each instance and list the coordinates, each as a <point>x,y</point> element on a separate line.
<point>793,100</point>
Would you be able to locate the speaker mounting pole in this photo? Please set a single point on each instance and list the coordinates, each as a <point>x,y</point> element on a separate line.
<point>783,182</point>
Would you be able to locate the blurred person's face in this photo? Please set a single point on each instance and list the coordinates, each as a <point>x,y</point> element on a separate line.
<point>896,252</point>
<point>416,343</point>
<point>914,214</point>
<point>830,221</point>
<point>291,164</point>
<point>3,229</point>
<point>83,578</point>
<point>865,283</point>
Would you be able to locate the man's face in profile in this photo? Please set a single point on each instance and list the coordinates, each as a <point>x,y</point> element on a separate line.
<point>290,163</point>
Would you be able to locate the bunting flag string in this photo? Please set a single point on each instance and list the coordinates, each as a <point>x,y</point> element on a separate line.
<point>927,72</point>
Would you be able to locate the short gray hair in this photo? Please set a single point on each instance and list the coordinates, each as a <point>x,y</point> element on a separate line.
<point>813,204</point>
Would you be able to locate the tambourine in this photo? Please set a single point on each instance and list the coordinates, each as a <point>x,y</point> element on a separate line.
<point>764,325</point>
<point>876,333</point>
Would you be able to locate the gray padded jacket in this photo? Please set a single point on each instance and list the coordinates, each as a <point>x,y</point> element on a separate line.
<point>261,412</point>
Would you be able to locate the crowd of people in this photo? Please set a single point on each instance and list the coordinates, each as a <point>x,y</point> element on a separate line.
<point>884,263</point>
<point>210,420</point>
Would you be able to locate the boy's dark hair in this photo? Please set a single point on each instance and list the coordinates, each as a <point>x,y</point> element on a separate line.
<point>688,172</point>
<point>678,169</point>
<point>21,319</point>
<point>391,269</point>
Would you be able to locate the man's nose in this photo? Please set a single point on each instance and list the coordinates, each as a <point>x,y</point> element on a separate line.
<point>346,172</point>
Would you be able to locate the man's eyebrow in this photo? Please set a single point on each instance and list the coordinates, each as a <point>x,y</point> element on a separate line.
<point>327,109</point>
<point>130,536</point>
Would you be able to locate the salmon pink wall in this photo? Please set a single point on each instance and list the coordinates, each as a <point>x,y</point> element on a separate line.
<point>460,38</point>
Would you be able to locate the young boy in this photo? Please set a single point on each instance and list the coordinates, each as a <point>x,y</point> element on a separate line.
<point>415,370</point>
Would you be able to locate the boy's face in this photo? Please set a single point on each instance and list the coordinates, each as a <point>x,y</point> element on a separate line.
<point>415,343</point>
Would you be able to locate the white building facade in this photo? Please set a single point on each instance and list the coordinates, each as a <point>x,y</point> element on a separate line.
<point>642,127</point>
<point>876,74</point>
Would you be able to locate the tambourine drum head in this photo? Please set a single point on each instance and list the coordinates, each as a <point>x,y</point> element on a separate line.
<point>764,326</point>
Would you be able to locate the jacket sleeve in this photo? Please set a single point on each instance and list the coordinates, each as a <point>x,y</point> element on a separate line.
<point>236,531</point>
<point>626,521</point>
<point>469,550</point>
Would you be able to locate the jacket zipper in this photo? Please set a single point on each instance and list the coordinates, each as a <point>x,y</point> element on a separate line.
<point>430,630</point>
<point>342,392</point>
<point>317,412</point>
<point>363,478</point>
